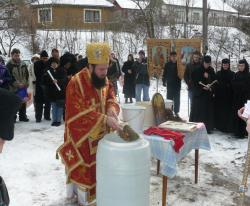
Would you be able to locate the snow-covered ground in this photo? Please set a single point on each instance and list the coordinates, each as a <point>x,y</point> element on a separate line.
<point>36,178</point>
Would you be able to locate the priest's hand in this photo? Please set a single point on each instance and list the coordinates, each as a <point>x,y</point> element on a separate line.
<point>240,113</point>
<point>113,123</point>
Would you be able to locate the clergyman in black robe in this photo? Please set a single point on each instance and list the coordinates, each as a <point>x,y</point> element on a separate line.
<point>241,93</point>
<point>202,109</point>
<point>224,98</point>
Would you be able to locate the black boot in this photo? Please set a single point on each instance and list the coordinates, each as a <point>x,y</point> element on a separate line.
<point>131,100</point>
<point>126,100</point>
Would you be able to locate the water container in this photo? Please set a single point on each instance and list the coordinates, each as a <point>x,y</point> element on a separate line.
<point>134,116</point>
<point>149,119</point>
<point>122,172</point>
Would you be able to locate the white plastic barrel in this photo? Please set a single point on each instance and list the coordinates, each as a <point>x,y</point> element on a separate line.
<point>134,116</point>
<point>122,172</point>
<point>149,119</point>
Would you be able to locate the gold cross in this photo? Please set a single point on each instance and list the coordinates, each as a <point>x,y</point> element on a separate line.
<point>69,155</point>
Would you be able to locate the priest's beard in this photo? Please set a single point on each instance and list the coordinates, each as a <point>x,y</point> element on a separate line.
<point>98,82</point>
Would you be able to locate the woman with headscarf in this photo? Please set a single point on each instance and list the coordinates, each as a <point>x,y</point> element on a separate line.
<point>224,98</point>
<point>241,93</point>
<point>129,79</point>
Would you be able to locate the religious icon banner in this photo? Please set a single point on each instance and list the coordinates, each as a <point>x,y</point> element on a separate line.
<point>185,49</point>
<point>159,51</point>
<point>158,54</point>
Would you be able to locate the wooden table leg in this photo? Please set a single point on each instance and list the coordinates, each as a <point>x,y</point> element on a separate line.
<point>164,190</point>
<point>196,165</point>
<point>158,167</point>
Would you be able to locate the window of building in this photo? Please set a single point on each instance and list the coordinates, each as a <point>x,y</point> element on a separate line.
<point>45,15</point>
<point>92,16</point>
<point>180,15</point>
<point>196,16</point>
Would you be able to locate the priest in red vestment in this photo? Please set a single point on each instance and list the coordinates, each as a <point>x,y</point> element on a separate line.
<point>91,111</point>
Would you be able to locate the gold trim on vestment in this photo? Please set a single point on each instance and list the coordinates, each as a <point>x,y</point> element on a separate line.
<point>78,144</point>
<point>79,84</point>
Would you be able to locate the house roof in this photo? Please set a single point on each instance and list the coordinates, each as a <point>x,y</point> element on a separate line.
<point>216,5</point>
<point>129,4</point>
<point>96,3</point>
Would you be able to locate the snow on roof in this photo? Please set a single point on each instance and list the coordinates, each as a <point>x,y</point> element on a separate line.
<point>216,5</point>
<point>102,3</point>
<point>130,4</point>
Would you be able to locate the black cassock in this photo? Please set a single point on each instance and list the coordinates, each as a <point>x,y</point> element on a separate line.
<point>241,93</point>
<point>224,101</point>
<point>129,80</point>
<point>202,109</point>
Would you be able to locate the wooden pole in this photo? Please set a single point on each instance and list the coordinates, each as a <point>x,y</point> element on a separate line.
<point>196,166</point>
<point>164,190</point>
<point>205,27</point>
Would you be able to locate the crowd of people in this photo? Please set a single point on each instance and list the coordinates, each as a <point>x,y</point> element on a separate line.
<point>91,108</point>
<point>214,97</point>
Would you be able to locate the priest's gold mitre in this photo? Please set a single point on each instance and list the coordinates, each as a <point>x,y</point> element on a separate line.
<point>98,53</point>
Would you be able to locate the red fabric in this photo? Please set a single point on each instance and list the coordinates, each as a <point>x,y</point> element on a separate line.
<point>177,137</point>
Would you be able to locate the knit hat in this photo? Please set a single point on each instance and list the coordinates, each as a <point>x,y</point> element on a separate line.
<point>44,54</point>
<point>225,61</point>
<point>142,52</point>
<point>207,59</point>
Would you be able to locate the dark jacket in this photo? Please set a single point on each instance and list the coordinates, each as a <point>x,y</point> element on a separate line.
<point>202,107</point>
<point>170,76</point>
<point>19,74</point>
<point>129,79</point>
<point>5,77</point>
<point>141,71</point>
<point>40,68</point>
<point>198,76</point>
<point>9,106</point>
<point>52,92</point>
<point>188,73</point>
<point>114,70</point>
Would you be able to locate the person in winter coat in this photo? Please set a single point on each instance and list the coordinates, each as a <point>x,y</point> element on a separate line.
<point>68,61</point>
<point>202,108</point>
<point>129,79</point>
<point>32,76</point>
<point>56,97</point>
<point>190,67</point>
<point>224,98</point>
<point>141,77</point>
<point>20,80</point>
<point>5,77</point>
<point>241,93</point>
<point>114,71</point>
<point>9,106</point>
<point>41,103</point>
<point>172,81</point>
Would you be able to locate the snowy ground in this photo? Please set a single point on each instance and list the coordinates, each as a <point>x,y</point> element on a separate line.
<point>35,178</point>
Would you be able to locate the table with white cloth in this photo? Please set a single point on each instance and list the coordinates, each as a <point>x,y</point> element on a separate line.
<point>163,151</point>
